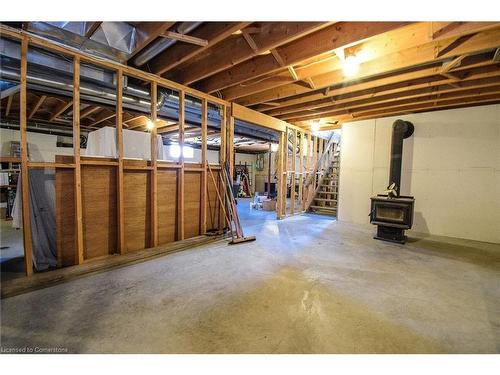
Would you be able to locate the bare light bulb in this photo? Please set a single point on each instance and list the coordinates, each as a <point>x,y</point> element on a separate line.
<point>350,66</point>
<point>150,125</point>
<point>274,147</point>
<point>315,126</point>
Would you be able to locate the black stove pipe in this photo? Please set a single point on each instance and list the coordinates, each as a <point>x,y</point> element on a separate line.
<point>400,130</point>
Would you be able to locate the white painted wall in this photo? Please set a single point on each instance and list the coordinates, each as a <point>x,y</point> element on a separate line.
<point>451,165</point>
<point>42,147</point>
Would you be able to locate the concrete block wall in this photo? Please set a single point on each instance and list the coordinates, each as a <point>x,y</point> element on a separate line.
<point>451,165</point>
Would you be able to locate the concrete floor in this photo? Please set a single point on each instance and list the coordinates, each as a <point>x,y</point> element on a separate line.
<point>307,285</point>
<point>11,251</point>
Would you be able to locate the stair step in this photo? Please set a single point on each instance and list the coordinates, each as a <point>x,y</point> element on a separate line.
<point>328,185</point>
<point>325,199</point>
<point>331,209</point>
<point>327,192</point>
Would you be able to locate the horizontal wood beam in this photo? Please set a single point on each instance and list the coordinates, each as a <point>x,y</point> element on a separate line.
<point>475,65</point>
<point>92,29</point>
<point>214,32</point>
<point>147,32</point>
<point>88,111</point>
<point>466,95</point>
<point>236,49</point>
<point>86,57</point>
<point>61,109</point>
<point>402,88</point>
<point>185,38</point>
<point>37,105</point>
<point>314,44</point>
<point>254,117</point>
<point>420,55</point>
<point>409,95</point>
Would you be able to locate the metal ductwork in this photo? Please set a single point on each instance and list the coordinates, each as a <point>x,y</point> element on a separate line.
<point>162,44</point>
<point>400,130</point>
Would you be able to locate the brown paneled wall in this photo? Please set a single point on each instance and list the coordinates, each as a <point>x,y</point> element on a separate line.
<point>99,203</point>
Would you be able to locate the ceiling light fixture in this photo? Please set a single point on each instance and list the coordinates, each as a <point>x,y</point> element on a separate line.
<point>351,65</point>
<point>149,124</point>
<point>315,126</point>
<point>274,147</point>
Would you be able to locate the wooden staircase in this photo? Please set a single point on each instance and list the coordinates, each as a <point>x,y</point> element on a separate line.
<point>322,187</point>
<point>326,197</point>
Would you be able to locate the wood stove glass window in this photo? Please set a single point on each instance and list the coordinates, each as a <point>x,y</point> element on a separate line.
<point>389,213</point>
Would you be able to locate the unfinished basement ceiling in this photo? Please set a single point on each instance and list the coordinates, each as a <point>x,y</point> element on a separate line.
<point>322,73</point>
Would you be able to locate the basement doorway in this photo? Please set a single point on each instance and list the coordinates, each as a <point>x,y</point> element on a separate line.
<point>255,180</point>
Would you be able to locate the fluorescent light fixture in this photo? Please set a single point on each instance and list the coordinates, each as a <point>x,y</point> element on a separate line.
<point>149,124</point>
<point>187,151</point>
<point>351,65</point>
<point>274,147</point>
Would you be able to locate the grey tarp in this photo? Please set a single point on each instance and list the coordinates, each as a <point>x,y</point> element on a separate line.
<point>42,214</point>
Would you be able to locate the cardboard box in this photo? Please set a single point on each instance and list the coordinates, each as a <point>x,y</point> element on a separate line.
<point>269,205</point>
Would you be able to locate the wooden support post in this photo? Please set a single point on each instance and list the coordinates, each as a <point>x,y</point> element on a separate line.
<point>119,142</point>
<point>280,191</point>
<point>28,256</point>
<point>204,161</point>
<point>308,167</point>
<point>180,171</point>
<point>315,160</point>
<point>285,171</point>
<point>222,158</point>
<point>230,142</point>
<point>154,165</point>
<point>76,153</point>
<point>301,169</point>
<point>294,171</point>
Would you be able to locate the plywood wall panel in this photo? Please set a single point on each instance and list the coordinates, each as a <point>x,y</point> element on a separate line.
<point>136,187</point>
<point>65,218</point>
<point>99,210</point>
<point>213,205</point>
<point>192,196</point>
<point>167,206</point>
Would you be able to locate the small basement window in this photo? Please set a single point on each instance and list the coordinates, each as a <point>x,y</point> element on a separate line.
<point>187,151</point>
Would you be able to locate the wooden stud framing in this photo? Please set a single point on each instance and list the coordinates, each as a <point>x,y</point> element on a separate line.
<point>226,152</point>
<point>294,171</point>
<point>180,179</point>
<point>301,169</point>
<point>154,174</point>
<point>28,256</point>
<point>76,153</point>
<point>120,180</point>
<point>204,161</point>
<point>281,177</point>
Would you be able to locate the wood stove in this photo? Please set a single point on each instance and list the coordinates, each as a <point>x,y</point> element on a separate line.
<point>392,213</point>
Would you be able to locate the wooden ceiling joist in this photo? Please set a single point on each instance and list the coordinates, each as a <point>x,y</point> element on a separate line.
<point>484,75</point>
<point>37,105</point>
<point>399,81</point>
<point>147,32</point>
<point>306,47</point>
<point>488,92</point>
<point>384,45</point>
<point>92,28</point>
<point>236,49</point>
<point>185,38</point>
<point>416,56</point>
<point>214,32</point>
<point>60,110</point>
<point>9,105</point>
<point>88,111</point>
<point>412,95</point>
